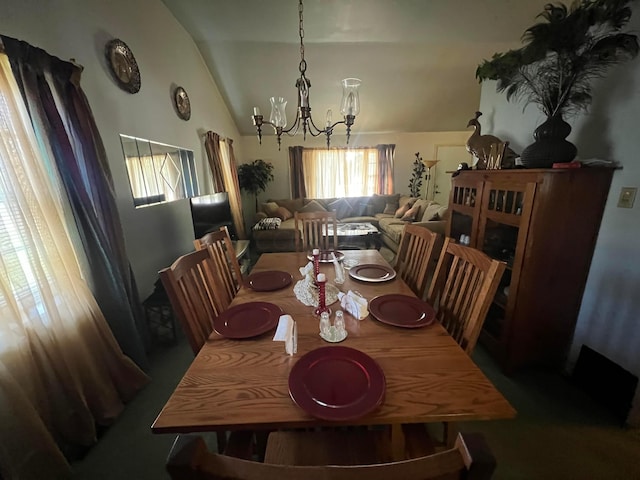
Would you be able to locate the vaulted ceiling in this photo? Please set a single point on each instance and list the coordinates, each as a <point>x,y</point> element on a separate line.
<point>416,58</point>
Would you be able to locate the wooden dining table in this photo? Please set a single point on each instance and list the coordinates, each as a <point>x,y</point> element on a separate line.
<point>243,384</point>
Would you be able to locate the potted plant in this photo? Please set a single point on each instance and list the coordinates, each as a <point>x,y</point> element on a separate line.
<point>415,182</point>
<point>555,68</point>
<point>253,177</point>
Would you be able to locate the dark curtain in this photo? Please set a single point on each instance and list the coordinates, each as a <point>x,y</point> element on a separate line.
<point>65,127</point>
<point>296,172</point>
<point>225,177</point>
<point>212,147</point>
<point>385,168</point>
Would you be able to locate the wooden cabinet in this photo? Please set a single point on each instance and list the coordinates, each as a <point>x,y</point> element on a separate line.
<point>543,224</point>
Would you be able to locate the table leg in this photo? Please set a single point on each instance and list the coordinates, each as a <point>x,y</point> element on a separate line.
<point>397,442</point>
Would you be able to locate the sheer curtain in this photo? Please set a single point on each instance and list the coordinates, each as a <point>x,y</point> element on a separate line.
<point>222,162</point>
<point>340,172</point>
<point>143,168</point>
<point>61,369</point>
<point>71,146</point>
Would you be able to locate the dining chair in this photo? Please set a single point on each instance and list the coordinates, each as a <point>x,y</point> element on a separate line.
<point>319,455</point>
<point>197,294</point>
<point>414,257</point>
<point>224,255</point>
<point>312,228</point>
<point>464,284</point>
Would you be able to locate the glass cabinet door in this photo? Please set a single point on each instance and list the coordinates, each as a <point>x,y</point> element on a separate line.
<point>502,232</point>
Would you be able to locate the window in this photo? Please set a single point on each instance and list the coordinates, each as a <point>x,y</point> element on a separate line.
<point>339,172</point>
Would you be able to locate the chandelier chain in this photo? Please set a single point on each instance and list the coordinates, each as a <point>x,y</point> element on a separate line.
<point>303,63</point>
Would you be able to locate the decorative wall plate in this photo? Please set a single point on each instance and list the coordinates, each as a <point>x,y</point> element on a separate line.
<point>123,65</point>
<point>182,103</point>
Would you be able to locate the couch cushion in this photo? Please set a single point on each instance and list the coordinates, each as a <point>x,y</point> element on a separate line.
<point>342,208</point>
<point>358,205</point>
<point>393,230</point>
<point>379,202</point>
<point>312,206</point>
<point>291,204</point>
<point>431,212</point>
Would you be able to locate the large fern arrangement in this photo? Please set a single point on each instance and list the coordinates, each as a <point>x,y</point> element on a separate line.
<point>563,55</point>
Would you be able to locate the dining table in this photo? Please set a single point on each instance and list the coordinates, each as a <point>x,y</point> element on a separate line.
<point>244,384</point>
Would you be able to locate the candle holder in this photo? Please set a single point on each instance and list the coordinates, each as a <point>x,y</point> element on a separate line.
<point>321,280</point>
<point>316,264</point>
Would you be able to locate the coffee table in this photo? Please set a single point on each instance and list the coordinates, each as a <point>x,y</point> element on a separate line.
<point>357,235</point>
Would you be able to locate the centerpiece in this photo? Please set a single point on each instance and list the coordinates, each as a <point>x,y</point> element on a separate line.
<point>556,66</point>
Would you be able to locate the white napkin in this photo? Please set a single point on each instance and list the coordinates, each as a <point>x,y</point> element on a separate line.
<point>354,303</point>
<point>287,332</point>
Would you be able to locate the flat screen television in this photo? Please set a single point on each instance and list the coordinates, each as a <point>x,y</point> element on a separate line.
<point>210,212</point>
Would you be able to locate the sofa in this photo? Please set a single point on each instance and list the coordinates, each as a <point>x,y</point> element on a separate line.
<point>274,223</point>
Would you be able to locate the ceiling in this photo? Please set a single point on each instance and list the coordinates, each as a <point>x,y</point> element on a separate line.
<point>416,58</point>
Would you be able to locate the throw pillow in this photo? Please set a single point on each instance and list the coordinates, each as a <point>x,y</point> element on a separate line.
<point>341,207</point>
<point>270,208</point>
<point>268,224</point>
<point>283,214</point>
<point>422,205</point>
<point>404,208</point>
<point>411,214</point>
<point>390,208</point>
<point>431,212</point>
<point>312,206</point>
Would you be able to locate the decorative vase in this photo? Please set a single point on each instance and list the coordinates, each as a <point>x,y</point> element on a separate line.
<point>550,145</point>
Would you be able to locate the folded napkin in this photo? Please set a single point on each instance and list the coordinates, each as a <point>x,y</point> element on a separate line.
<point>354,303</point>
<point>287,332</point>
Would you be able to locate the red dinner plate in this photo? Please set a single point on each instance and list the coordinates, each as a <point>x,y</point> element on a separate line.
<point>337,383</point>
<point>247,320</point>
<point>268,281</point>
<point>372,272</point>
<point>402,311</point>
<point>327,257</point>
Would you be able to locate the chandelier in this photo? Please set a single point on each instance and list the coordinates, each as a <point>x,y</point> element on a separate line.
<point>349,107</point>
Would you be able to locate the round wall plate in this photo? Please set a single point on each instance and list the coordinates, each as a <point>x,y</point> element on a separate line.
<point>123,65</point>
<point>182,103</point>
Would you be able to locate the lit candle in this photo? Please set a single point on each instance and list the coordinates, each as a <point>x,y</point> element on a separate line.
<point>256,111</point>
<point>316,251</point>
<point>329,118</point>
<point>322,277</point>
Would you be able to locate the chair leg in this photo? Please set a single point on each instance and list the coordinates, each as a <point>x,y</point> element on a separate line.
<point>449,434</point>
<point>221,437</point>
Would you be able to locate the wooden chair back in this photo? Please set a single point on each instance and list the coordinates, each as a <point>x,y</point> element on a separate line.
<point>463,287</point>
<point>224,256</point>
<point>194,289</point>
<point>414,257</point>
<point>470,458</point>
<point>311,231</point>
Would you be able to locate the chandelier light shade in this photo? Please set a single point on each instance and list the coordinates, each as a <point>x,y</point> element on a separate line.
<point>349,106</point>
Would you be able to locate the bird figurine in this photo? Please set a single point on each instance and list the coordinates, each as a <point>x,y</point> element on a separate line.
<point>479,146</point>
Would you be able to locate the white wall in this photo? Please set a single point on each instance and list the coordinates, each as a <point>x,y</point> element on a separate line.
<point>407,144</point>
<point>166,56</point>
<point>608,319</point>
